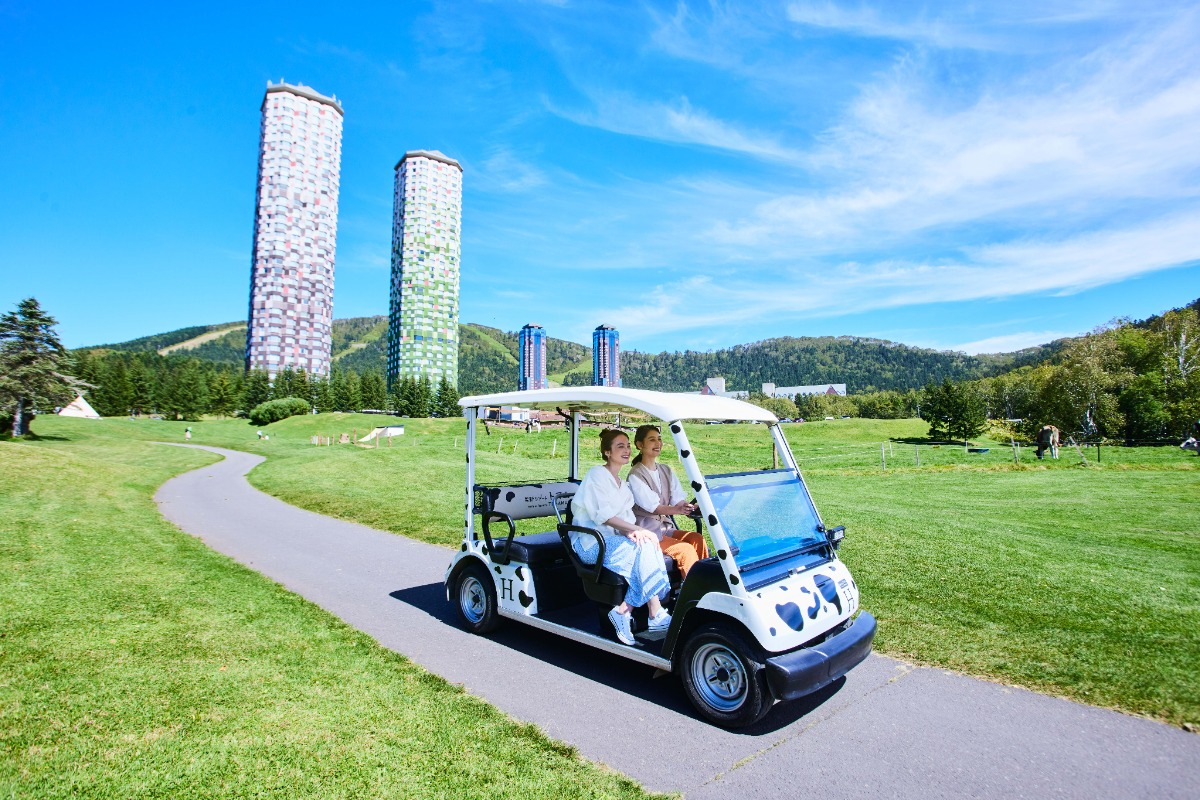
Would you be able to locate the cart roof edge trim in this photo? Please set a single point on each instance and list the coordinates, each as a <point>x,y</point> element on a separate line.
<point>667,406</point>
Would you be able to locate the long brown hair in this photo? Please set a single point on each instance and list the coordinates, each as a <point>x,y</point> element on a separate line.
<point>639,436</point>
<point>607,437</point>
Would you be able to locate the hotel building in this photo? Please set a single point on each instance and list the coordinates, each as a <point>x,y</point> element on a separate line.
<point>606,356</point>
<point>531,347</point>
<point>423,314</point>
<point>295,231</point>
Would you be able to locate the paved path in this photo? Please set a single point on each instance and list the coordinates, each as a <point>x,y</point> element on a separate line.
<point>887,730</point>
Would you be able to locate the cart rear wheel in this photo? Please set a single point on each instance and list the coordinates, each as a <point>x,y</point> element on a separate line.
<point>724,678</point>
<point>475,594</point>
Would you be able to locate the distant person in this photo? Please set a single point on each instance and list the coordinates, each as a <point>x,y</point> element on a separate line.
<point>260,434</point>
<point>1054,442</point>
<point>604,503</point>
<point>658,496</point>
<point>187,434</point>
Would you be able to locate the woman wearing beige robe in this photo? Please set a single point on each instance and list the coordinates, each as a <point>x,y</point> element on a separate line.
<point>658,496</point>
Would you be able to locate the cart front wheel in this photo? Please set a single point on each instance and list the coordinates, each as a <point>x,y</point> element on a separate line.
<point>476,594</point>
<point>723,676</point>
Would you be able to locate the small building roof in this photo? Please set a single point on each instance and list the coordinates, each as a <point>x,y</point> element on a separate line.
<point>666,406</point>
<point>434,155</point>
<point>302,91</point>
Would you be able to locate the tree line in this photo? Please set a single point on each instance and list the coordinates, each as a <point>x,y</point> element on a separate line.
<point>180,387</point>
<point>1131,381</point>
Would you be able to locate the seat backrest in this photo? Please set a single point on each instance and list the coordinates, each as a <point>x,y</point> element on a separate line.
<point>524,501</point>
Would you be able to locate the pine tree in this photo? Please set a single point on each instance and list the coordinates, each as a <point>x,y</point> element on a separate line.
<point>256,389</point>
<point>33,365</point>
<point>374,393</point>
<point>221,394</point>
<point>446,403</point>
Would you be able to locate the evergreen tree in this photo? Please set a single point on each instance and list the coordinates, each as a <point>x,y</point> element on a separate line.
<point>446,402</point>
<point>374,391</point>
<point>422,402</point>
<point>33,366</point>
<point>191,387</point>
<point>141,387</point>
<point>256,389</point>
<point>284,385</point>
<point>346,391</point>
<point>113,395</point>
<point>222,395</point>
<point>318,394</point>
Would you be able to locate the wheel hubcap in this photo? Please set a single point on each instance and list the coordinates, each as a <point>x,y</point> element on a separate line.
<point>472,599</point>
<point>719,677</point>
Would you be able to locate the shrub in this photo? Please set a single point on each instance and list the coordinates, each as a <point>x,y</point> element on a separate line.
<point>275,410</point>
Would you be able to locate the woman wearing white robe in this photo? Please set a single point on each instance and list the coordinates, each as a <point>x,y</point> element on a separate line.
<point>604,503</point>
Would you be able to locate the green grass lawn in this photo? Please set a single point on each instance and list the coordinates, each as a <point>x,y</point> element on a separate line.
<point>136,662</point>
<point>1073,579</point>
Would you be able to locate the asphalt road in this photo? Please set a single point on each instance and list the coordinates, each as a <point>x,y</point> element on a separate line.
<point>887,730</point>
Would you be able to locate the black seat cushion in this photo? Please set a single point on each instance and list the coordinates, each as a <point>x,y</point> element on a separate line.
<point>536,549</point>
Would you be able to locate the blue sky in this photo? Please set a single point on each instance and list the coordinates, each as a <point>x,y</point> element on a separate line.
<point>977,177</point>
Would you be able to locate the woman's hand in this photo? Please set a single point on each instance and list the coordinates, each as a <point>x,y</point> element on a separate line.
<point>642,536</point>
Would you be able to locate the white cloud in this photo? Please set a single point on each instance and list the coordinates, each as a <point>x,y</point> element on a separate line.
<point>676,122</point>
<point>1011,342</point>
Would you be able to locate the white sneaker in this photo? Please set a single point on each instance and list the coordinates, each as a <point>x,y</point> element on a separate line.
<point>661,622</point>
<point>622,624</point>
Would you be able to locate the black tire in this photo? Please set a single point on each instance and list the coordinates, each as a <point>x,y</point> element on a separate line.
<point>475,599</point>
<point>723,676</point>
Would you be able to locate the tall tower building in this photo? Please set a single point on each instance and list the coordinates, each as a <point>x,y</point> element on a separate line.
<point>606,356</point>
<point>295,231</point>
<point>423,318</point>
<point>531,346</point>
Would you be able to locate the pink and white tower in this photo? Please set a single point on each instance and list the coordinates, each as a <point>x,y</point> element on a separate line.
<point>295,231</point>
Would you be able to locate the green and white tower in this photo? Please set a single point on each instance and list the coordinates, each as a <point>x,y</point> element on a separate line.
<point>423,317</point>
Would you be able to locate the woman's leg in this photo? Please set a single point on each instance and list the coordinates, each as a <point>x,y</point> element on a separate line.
<point>647,578</point>
<point>683,553</point>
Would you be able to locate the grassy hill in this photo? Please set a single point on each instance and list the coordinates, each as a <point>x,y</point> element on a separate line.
<point>487,358</point>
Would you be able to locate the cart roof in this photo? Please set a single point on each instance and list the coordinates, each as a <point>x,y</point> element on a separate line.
<point>667,406</point>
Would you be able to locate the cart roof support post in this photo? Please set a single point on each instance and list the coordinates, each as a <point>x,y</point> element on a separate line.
<point>573,472</point>
<point>469,527</point>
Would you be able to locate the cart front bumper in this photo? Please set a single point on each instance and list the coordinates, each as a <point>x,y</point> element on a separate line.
<point>802,672</point>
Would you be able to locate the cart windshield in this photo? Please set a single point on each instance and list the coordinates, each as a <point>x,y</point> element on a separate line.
<point>768,515</point>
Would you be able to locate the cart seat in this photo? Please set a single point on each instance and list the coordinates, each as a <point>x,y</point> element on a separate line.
<point>536,550</point>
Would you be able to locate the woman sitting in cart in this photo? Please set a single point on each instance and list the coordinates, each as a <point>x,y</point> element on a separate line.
<point>658,496</point>
<point>604,503</point>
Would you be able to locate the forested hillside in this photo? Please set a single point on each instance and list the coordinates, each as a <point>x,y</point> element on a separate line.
<point>864,365</point>
<point>487,359</point>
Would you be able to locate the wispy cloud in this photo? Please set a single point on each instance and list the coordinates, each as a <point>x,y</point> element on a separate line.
<point>1011,342</point>
<point>505,171</point>
<point>676,122</point>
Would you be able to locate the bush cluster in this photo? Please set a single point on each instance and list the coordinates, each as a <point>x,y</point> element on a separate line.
<point>275,410</point>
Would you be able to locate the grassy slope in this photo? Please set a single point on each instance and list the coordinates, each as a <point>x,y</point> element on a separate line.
<point>1081,581</point>
<point>136,662</point>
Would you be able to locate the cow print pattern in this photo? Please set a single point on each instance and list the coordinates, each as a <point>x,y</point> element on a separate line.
<point>685,453</point>
<point>525,599</point>
<point>790,614</point>
<point>828,590</point>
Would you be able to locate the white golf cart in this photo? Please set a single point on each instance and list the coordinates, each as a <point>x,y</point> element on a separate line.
<point>772,616</point>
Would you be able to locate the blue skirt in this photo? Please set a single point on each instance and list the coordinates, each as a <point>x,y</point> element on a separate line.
<point>640,565</point>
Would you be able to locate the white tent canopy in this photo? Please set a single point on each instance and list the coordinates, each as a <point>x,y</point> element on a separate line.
<point>79,408</point>
<point>666,406</point>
